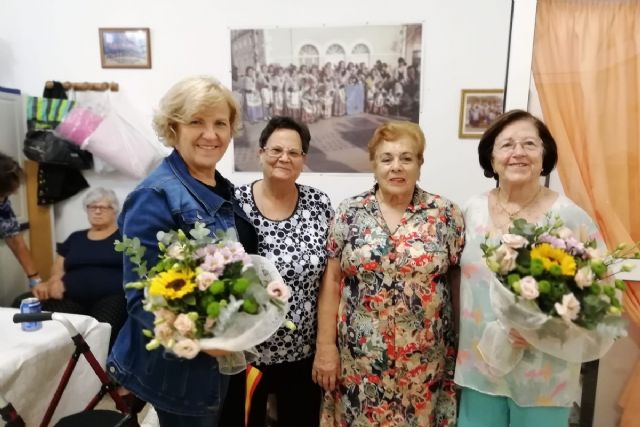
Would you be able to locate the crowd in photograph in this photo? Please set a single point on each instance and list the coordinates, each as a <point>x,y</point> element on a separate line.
<point>309,93</point>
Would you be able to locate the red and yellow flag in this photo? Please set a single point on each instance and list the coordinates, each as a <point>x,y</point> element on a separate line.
<point>253,376</point>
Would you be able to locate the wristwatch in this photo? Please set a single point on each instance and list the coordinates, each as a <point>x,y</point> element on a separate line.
<point>34,281</point>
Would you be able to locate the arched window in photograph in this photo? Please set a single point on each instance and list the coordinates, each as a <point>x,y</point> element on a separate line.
<point>309,55</point>
<point>335,53</point>
<point>361,53</point>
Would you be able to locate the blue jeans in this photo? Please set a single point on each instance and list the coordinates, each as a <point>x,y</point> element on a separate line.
<point>172,420</point>
<point>485,410</point>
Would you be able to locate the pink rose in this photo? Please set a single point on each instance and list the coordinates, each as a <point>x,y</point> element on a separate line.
<point>204,279</point>
<point>165,315</point>
<point>278,290</point>
<point>214,262</point>
<point>529,288</point>
<point>514,241</point>
<point>186,348</point>
<point>163,332</point>
<point>184,325</point>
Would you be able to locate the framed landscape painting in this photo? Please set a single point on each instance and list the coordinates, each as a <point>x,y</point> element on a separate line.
<point>125,48</point>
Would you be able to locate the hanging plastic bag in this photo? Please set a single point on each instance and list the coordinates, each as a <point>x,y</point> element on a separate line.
<point>79,124</point>
<point>117,142</point>
<point>90,110</point>
<point>43,146</point>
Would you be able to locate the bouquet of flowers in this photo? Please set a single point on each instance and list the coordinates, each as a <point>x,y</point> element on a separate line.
<point>557,290</point>
<point>207,293</point>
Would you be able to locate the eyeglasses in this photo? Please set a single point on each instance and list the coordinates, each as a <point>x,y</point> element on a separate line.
<point>529,145</point>
<point>277,152</point>
<point>96,208</point>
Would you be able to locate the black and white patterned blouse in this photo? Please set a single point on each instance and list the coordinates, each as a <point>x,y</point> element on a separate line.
<point>297,247</point>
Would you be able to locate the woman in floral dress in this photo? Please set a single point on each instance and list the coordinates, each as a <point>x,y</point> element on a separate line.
<point>389,359</point>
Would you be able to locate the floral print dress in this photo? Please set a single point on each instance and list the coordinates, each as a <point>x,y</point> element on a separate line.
<point>395,327</point>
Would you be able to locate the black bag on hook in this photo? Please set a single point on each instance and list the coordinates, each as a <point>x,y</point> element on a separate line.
<point>43,146</point>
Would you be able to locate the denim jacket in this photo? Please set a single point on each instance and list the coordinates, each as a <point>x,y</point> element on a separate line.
<point>168,199</point>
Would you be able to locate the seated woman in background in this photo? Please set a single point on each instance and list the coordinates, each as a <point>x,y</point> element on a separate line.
<point>86,277</point>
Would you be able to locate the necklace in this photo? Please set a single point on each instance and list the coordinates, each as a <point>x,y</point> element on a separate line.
<point>513,214</point>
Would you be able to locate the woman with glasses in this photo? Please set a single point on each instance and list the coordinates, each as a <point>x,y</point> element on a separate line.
<point>86,276</point>
<point>516,150</point>
<point>292,222</point>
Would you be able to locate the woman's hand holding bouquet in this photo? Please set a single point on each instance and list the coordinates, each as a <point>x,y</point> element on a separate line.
<point>557,290</point>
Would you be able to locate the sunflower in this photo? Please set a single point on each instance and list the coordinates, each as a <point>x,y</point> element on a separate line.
<point>550,256</point>
<point>172,284</point>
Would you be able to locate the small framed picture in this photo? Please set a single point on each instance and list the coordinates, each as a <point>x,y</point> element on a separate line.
<point>125,48</point>
<point>478,109</point>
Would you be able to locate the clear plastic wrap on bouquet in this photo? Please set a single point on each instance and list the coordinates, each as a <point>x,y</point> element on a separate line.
<point>240,332</point>
<point>551,335</point>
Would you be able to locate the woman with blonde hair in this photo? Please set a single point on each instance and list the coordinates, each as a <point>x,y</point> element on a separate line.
<point>385,348</point>
<point>197,117</point>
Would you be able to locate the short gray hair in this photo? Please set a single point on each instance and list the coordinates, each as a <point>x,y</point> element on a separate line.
<point>98,194</point>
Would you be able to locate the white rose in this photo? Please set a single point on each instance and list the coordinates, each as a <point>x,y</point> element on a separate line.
<point>564,233</point>
<point>584,277</point>
<point>184,325</point>
<point>595,254</point>
<point>569,308</point>
<point>176,251</point>
<point>514,241</point>
<point>506,258</point>
<point>529,288</point>
<point>186,348</point>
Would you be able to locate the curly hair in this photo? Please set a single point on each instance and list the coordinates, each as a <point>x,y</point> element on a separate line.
<point>393,131</point>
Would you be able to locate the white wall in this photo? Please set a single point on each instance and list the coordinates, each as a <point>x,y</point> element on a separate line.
<point>464,46</point>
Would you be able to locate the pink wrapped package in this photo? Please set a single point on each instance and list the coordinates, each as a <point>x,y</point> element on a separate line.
<point>79,124</point>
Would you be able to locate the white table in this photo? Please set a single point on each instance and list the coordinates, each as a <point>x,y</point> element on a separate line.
<point>32,363</point>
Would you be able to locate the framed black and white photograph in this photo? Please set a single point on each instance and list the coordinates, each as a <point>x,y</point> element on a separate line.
<point>342,82</point>
<point>478,109</point>
<point>125,48</point>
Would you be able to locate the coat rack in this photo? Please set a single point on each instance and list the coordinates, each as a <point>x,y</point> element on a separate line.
<point>82,86</point>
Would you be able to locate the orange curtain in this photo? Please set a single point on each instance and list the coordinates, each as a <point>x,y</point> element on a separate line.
<point>586,66</point>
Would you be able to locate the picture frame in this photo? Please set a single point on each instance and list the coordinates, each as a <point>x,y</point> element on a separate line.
<point>125,47</point>
<point>478,109</point>
<point>342,87</point>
